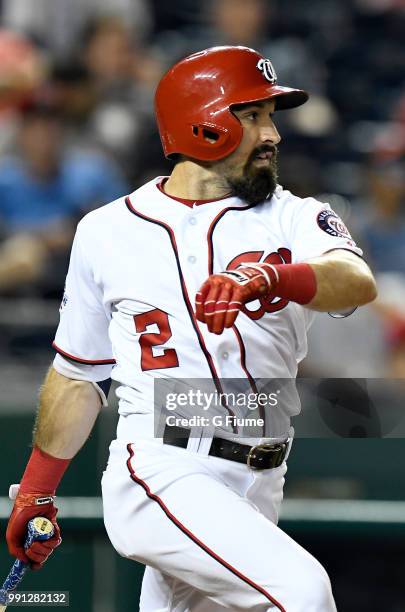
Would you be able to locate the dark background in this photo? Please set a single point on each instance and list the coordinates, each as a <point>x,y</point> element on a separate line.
<point>77,130</point>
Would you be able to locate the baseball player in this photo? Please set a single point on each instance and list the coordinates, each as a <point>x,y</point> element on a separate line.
<point>212,273</point>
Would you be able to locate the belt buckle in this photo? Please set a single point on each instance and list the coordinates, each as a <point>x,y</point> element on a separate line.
<point>269,448</point>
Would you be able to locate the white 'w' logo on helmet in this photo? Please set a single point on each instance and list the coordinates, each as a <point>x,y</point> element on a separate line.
<point>266,67</point>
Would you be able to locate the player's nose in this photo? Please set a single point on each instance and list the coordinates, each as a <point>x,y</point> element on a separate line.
<point>269,133</point>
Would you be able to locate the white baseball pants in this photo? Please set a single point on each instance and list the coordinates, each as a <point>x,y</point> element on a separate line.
<point>207,530</point>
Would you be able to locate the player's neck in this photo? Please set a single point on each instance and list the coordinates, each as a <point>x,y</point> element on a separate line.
<point>191,181</point>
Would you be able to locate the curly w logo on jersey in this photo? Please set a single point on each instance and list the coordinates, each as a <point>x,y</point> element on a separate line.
<point>271,303</point>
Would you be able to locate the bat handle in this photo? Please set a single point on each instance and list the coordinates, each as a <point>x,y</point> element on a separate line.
<point>38,529</point>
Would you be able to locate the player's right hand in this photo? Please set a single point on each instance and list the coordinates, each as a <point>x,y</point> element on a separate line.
<point>26,507</point>
<point>223,295</point>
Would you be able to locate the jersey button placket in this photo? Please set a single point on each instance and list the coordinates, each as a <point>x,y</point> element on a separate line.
<point>192,259</point>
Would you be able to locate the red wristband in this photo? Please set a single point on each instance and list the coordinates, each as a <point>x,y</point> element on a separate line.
<point>43,473</point>
<point>293,282</point>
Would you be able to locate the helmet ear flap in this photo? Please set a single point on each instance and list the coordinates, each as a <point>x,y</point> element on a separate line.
<point>210,135</point>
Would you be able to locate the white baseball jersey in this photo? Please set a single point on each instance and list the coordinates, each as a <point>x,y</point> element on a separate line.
<point>135,268</point>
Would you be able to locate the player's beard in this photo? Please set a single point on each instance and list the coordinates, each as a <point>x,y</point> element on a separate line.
<point>255,184</point>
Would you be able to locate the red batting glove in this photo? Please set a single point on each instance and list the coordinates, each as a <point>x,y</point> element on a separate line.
<point>26,507</point>
<point>222,295</point>
<point>35,498</point>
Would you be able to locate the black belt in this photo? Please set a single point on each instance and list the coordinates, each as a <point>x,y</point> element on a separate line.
<point>260,457</point>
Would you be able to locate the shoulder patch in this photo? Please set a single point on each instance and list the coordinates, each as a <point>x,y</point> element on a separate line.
<point>332,224</point>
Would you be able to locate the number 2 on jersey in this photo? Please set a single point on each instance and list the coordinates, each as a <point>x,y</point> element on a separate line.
<point>148,340</point>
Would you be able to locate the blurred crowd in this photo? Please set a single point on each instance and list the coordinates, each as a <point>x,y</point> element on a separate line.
<point>77,129</point>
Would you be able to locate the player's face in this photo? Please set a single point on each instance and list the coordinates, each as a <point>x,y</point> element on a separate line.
<point>251,171</point>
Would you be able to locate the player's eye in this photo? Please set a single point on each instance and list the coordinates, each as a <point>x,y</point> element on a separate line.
<point>252,116</point>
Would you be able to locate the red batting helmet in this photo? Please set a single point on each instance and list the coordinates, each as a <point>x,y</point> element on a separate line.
<point>193,100</point>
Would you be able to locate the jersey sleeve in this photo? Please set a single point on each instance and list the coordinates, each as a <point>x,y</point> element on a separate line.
<point>316,229</point>
<point>82,338</point>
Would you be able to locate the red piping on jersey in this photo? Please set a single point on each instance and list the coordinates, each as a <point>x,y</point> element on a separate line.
<point>242,350</point>
<point>211,271</point>
<point>80,360</point>
<point>184,292</point>
<point>211,231</point>
<point>187,202</point>
<point>344,249</point>
<point>194,538</point>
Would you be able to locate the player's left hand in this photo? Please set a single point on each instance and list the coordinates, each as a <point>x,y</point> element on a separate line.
<point>222,296</point>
